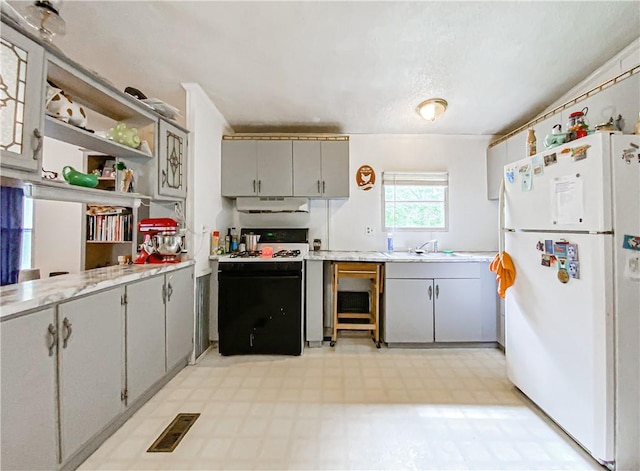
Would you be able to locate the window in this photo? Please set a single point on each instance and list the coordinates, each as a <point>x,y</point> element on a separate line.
<point>415,201</point>
<point>27,229</point>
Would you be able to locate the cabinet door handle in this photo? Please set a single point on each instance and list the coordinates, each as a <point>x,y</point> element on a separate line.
<point>170,292</point>
<point>324,186</point>
<point>251,337</point>
<point>53,333</point>
<point>259,186</point>
<point>39,139</point>
<point>254,186</point>
<point>67,332</point>
<point>318,186</point>
<point>430,292</point>
<point>437,291</point>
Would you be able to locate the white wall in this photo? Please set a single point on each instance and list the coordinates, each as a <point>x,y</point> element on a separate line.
<point>206,209</point>
<point>57,230</point>
<point>473,219</point>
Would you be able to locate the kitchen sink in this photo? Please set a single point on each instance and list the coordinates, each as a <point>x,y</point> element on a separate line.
<point>416,256</point>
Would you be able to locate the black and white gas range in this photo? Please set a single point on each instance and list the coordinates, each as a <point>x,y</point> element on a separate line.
<point>260,304</point>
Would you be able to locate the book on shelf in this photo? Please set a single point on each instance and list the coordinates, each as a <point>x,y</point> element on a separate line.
<point>109,224</point>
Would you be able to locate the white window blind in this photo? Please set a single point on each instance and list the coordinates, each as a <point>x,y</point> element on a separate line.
<point>415,200</point>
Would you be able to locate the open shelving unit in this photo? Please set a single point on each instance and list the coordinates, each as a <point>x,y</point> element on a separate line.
<point>62,131</point>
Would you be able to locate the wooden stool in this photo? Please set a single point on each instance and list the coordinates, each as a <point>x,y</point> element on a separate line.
<point>357,320</point>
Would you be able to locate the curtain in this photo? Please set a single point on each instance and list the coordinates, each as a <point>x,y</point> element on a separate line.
<point>11,233</point>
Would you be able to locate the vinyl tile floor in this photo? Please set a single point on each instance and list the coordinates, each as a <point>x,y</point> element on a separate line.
<point>349,407</point>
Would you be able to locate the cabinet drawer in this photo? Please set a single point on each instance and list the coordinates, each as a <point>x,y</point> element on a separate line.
<point>433,270</point>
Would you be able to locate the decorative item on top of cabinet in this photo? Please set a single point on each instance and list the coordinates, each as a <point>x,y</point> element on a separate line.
<point>21,97</point>
<point>172,160</point>
<point>531,143</point>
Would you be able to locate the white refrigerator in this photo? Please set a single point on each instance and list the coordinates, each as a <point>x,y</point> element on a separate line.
<point>572,226</point>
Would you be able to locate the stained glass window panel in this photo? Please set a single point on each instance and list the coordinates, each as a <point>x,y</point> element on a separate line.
<point>13,77</point>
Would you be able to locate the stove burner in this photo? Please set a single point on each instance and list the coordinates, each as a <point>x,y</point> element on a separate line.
<point>245,254</point>
<point>286,254</point>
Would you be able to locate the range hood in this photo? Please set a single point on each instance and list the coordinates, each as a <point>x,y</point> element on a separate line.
<point>272,204</point>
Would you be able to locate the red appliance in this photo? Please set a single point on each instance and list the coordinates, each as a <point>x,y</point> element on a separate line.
<point>162,242</point>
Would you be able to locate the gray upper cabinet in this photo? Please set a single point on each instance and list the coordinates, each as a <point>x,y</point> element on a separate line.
<point>239,168</point>
<point>179,293</point>
<point>22,117</point>
<point>517,147</point>
<point>496,160</point>
<point>321,169</point>
<point>172,161</point>
<point>307,169</point>
<point>145,335</point>
<point>275,176</point>
<point>285,167</point>
<point>256,168</point>
<point>91,357</point>
<point>335,169</point>
<point>29,425</point>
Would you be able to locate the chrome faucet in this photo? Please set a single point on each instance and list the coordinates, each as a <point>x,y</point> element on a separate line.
<point>432,246</point>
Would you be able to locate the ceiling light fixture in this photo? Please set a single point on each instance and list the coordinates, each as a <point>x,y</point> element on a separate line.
<point>432,108</point>
<point>44,16</point>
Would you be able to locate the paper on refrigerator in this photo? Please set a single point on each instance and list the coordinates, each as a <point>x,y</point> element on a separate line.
<point>567,200</point>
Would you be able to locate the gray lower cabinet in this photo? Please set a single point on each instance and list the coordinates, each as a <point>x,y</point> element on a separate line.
<point>314,304</point>
<point>321,169</point>
<point>91,355</point>
<point>28,436</point>
<point>179,293</point>
<point>439,302</point>
<point>458,313</point>
<point>408,311</point>
<point>145,321</point>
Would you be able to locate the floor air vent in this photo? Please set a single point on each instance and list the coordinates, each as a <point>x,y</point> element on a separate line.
<point>171,436</point>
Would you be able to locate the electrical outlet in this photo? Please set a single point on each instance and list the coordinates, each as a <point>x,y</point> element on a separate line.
<point>368,230</point>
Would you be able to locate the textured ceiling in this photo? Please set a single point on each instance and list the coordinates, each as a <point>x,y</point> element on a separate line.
<point>352,67</point>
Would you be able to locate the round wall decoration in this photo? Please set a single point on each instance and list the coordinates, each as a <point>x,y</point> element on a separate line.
<point>365,177</point>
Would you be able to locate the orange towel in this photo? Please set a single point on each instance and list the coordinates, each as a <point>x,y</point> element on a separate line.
<point>505,271</point>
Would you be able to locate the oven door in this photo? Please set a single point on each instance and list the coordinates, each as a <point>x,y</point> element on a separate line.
<point>260,308</point>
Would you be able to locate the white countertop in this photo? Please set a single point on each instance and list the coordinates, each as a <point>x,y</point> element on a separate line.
<point>364,256</point>
<point>21,297</point>
<point>361,256</point>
